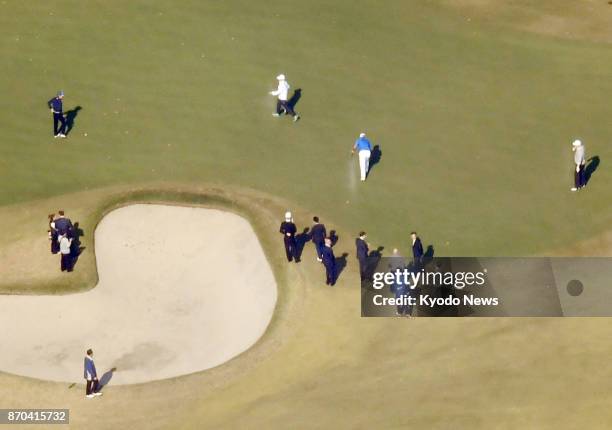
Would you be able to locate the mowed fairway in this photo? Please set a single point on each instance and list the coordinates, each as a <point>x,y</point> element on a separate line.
<point>474,117</point>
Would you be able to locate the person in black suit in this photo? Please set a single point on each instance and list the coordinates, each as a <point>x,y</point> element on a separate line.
<point>63,225</point>
<point>318,234</point>
<point>288,229</point>
<point>329,261</point>
<point>417,250</point>
<point>362,255</point>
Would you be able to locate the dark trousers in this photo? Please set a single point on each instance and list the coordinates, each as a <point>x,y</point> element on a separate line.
<point>284,105</point>
<point>580,177</point>
<point>54,243</point>
<point>66,263</point>
<point>92,386</point>
<point>363,268</point>
<point>291,249</point>
<point>330,274</point>
<point>59,117</point>
<point>319,247</point>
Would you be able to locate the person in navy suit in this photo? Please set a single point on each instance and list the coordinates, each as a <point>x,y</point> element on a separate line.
<point>56,106</point>
<point>288,229</point>
<point>63,225</point>
<point>91,376</point>
<point>329,261</point>
<point>362,255</point>
<point>417,250</point>
<point>318,234</point>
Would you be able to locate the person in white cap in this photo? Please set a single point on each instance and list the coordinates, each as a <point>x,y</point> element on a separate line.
<point>288,229</point>
<point>364,149</point>
<point>579,174</point>
<point>282,92</point>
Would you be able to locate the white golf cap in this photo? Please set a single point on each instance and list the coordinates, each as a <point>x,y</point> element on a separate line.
<point>287,216</point>
<point>281,77</point>
<point>361,134</point>
<point>576,143</point>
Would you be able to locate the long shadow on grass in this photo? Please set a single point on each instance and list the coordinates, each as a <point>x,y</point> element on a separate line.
<point>70,118</point>
<point>593,164</point>
<point>75,247</point>
<point>295,98</point>
<point>375,157</point>
<point>300,241</point>
<point>340,264</point>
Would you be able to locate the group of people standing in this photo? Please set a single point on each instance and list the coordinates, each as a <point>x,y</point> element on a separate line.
<point>62,234</point>
<point>322,243</point>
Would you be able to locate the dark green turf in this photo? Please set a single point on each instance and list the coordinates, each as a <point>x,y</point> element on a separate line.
<point>475,123</point>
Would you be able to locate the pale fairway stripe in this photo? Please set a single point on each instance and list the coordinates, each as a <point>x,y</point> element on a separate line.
<point>181,290</point>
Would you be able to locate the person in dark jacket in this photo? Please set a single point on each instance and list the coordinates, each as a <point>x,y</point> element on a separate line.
<point>53,236</point>
<point>417,250</point>
<point>56,106</point>
<point>318,234</point>
<point>288,229</point>
<point>91,376</point>
<point>329,261</point>
<point>362,255</point>
<point>63,225</point>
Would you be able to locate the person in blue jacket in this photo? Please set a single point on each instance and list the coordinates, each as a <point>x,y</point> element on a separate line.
<point>91,376</point>
<point>364,150</point>
<point>55,104</point>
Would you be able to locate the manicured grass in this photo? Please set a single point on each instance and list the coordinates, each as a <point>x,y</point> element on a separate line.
<point>474,123</point>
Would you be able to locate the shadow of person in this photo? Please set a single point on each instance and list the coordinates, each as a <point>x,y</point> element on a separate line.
<point>300,241</point>
<point>295,98</point>
<point>375,157</point>
<point>373,261</point>
<point>105,379</point>
<point>592,165</point>
<point>340,264</point>
<point>70,118</point>
<point>428,256</point>
<point>75,247</point>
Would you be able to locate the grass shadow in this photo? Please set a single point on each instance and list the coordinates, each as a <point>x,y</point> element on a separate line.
<point>591,167</point>
<point>70,118</point>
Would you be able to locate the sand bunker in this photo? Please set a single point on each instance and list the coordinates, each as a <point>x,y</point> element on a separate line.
<point>181,290</point>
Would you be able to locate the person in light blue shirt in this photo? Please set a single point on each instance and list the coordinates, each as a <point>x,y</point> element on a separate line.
<point>364,149</point>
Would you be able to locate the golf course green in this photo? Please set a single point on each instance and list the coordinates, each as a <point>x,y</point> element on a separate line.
<point>474,105</point>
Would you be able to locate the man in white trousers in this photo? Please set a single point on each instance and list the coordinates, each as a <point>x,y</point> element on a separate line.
<point>579,164</point>
<point>282,92</point>
<point>364,150</point>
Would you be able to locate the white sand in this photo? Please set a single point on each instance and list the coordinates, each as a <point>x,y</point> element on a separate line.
<point>181,290</point>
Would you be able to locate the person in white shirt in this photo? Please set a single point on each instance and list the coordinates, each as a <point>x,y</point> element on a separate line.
<point>282,92</point>
<point>66,258</point>
<point>579,174</point>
